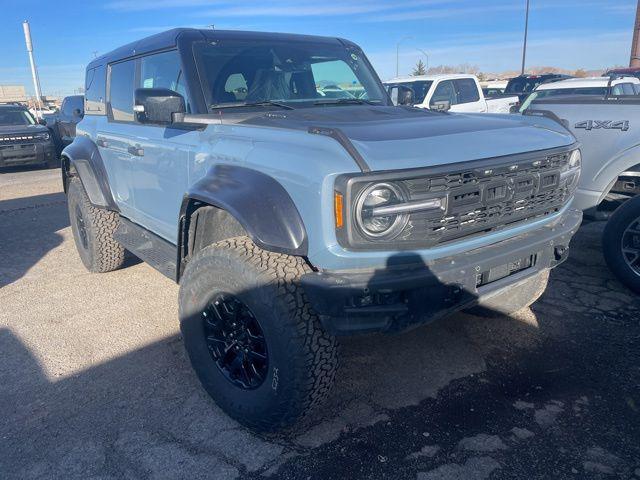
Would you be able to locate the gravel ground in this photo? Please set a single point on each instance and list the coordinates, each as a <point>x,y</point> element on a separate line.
<point>95,383</point>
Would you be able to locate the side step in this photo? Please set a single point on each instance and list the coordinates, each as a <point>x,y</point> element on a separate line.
<point>148,247</point>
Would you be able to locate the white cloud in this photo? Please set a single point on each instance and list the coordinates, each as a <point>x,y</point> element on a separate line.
<point>142,5</point>
<point>503,52</point>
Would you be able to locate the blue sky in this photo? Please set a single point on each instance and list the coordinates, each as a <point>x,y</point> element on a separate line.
<point>565,33</point>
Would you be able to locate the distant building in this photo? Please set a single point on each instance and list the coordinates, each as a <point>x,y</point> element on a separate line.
<point>12,93</point>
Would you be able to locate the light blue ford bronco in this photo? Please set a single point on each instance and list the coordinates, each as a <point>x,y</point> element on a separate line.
<point>272,176</point>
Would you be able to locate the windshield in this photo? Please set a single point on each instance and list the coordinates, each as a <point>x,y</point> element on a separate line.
<point>540,94</point>
<point>15,117</point>
<point>293,74</point>
<point>420,89</point>
<point>522,85</point>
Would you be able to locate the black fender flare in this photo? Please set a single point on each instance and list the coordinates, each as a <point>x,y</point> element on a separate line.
<point>82,158</point>
<point>258,202</point>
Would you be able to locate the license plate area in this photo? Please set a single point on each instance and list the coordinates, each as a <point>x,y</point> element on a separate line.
<point>505,270</point>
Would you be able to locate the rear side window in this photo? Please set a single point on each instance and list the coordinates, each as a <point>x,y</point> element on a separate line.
<point>121,81</point>
<point>94,94</point>
<point>163,70</point>
<point>467,90</point>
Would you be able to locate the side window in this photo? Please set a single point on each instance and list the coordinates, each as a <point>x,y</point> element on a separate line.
<point>467,90</point>
<point>333,79</point>
<point>235,88</point>
<point>617,90</point>
<point>444,93</point>
<point>163,70</point>
<point>121,81</point>
<point>627,89</point>
<point>94,91</point>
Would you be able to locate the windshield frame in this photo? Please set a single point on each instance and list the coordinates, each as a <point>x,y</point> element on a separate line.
<point>371,81</point>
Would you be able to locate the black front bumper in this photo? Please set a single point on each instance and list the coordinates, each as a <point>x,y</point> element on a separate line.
<point>414,293</point>
<point>19,154</point>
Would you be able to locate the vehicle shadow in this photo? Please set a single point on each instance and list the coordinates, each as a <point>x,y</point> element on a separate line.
<point>29,229</point>
<point>144,414</point>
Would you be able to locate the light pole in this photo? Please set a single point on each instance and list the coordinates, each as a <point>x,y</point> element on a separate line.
<point>427,56</point>
<point>34,68</point>
<point>526,30</point>
<point>408,37</point>
<point>635,46</point>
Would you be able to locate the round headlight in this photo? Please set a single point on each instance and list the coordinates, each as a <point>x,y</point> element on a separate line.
<point>376,225</point>
<point>575,160</point>
<point>44,136</point>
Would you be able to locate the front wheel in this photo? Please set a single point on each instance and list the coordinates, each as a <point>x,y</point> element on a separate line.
<point>254,341</point>
<point>621,243</point>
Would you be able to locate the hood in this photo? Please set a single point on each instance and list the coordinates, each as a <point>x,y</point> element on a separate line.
<point>22,129</point>
<point>397,137</point>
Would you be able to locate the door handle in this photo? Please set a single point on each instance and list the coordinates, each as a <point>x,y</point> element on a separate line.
<point>101,142</point>
<point>137,151</point>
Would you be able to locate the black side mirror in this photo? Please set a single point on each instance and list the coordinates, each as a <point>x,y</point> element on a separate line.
<point>42,121</point>
<point>157,105</point>
<point>401,95</point>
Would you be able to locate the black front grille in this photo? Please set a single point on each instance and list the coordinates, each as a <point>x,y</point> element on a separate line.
<point>478,196</point>
<point>19,153</point>
<point>486,199</point>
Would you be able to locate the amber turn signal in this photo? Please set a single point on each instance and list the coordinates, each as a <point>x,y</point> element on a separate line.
<point>338,209</point>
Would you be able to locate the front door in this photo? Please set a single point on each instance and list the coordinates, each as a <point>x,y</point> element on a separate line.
<point>160,154</point>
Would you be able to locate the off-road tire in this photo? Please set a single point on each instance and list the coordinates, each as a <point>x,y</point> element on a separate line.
<point>302,357</point>
<point>97,248</point>
<point>621,219</point>
<point>515,298</point>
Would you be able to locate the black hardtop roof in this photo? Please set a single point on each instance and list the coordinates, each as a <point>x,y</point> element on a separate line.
<point>169,39</point>
<point>540,75</point>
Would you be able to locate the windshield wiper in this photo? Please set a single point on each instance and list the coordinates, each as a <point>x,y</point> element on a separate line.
<point>346,101</point>
<point>264,103</point>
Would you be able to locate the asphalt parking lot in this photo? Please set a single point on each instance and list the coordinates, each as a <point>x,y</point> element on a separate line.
<point>95,383</point>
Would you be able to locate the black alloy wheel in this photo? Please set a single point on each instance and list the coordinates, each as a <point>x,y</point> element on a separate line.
<point>236,341</point>
<point>82,228</point>
<point>631,245</point>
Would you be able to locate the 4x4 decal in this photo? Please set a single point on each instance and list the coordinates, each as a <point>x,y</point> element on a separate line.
<point>622,125</point>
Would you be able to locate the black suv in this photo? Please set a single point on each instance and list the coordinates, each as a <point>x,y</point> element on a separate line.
<point>22,140</point>
<point>523,85</point>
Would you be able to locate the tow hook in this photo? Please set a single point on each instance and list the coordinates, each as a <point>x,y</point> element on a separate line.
<point>560,252</point>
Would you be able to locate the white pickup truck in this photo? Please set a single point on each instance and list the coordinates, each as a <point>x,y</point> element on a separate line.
<point>457,93</point>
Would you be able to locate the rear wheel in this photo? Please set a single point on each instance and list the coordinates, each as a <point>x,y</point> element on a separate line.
<point>93,230</point>
<point>255,343</point>
<point>621,243</point>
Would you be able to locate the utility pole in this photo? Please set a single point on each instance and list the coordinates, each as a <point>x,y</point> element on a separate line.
<point>34,69</point>
<point>635,46</point>
<point>398,53</point>
<point>526,31</point>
